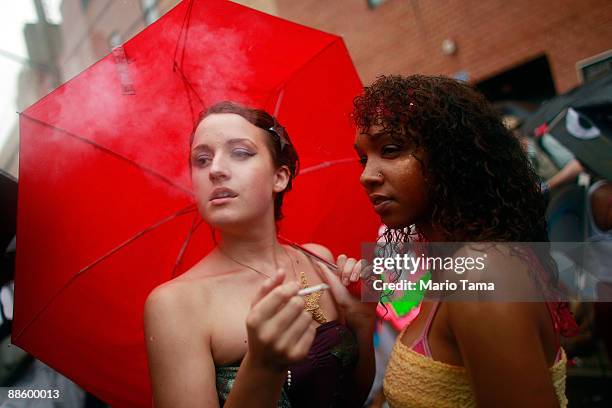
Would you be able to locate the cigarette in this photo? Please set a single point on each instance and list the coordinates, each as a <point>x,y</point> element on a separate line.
<point>313,289</point>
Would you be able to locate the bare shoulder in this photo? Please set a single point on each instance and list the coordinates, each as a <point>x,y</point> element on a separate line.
<point>511,313</point>
<point>169,308</point>
<point>176,325</point>
<point>320,250</point>
<point>171,297</point>
<point>511,271</point>
<point>173,303</point>
<point>491,316</point>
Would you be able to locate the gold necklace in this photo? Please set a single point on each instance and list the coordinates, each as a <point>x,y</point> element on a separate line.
<point>311,301</point>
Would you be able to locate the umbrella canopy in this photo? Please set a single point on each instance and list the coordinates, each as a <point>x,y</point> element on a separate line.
<point>592,93</point>
<point>106,211</point>
<point>586,130</point>
<point>581,120</point>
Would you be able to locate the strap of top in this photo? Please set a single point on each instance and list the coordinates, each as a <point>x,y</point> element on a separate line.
<point>423,337</point>
<point>554,315</point>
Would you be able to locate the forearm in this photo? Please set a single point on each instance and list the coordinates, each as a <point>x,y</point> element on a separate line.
<point>567,174</point>
<point>363,374</point>
<point>255,386</point>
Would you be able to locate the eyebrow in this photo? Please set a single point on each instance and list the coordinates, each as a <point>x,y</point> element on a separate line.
<point>233,141</point>
<point>378,135</point>
<point>373,138</point>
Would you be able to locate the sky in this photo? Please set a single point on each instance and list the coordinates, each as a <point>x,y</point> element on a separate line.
<point>13,15</point>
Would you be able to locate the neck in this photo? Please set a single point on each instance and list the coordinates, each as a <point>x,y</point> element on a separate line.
<point>256,246</point>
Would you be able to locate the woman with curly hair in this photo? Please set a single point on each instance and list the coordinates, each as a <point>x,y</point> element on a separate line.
<point>439,166</point>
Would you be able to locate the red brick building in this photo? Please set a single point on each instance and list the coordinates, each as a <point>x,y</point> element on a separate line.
<point>515,49</point>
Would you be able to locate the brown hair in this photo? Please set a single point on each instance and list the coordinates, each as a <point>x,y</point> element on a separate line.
<point>282,150</point>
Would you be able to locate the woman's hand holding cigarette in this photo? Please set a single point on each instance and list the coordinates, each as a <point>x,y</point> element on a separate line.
<point>280,331</point>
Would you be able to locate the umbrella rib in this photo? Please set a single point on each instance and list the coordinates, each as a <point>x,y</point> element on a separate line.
<point>185,24</point>
<point>186,81</point>
<point>326,164</point>
<point>188,87</point>
<point>197,221</point>
<point>294,73</point>
<point>281,94</point>
<point>186,210</point>
<point>148,229</point>
<point>115,154</point>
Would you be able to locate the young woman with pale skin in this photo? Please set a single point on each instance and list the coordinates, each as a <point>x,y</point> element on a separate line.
<point>438,161</point>
<point>229,330</point>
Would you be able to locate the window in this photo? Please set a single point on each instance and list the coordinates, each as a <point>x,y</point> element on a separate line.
<point>375,3</point>
<point>595,67</point>
<point>114,40</point>
<point>149,10</point>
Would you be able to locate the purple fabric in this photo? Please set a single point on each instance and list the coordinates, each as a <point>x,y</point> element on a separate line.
<point>323,379</point>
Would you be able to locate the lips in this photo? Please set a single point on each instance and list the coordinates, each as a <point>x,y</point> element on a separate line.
<point>222,194</point>
<point>380,202</point>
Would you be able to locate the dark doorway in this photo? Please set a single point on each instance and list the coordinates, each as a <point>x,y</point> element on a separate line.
<point>530,82</point>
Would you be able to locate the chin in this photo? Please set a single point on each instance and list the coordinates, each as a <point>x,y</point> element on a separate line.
<point>394,221</point>
<point>229,218</point>
<point>223,219</point>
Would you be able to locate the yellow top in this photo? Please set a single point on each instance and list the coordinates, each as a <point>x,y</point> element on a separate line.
<point>414,380</point>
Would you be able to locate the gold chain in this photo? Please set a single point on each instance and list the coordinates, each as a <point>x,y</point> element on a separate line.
<point>245,265</point>
<point>311,301</point>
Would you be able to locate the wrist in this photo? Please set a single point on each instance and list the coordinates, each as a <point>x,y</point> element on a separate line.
<point>255,382</point>
<point>260,368</point>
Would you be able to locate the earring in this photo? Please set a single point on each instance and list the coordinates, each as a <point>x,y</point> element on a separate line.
<point>379,175</point>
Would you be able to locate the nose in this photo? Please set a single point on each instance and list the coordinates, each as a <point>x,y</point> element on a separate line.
<point>218,168</point>
<point>370,177</point>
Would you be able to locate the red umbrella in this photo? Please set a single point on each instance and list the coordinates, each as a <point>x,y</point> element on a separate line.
<point>105,206</point>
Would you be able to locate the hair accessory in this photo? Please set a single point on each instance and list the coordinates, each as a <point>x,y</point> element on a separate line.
<point>411,105</point>
<point>281,135</point>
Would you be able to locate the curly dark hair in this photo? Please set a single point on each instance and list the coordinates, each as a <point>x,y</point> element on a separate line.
<point>279,144</point>
<point>481,186</point>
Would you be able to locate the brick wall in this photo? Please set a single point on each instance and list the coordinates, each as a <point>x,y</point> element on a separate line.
<point>405,36</point>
